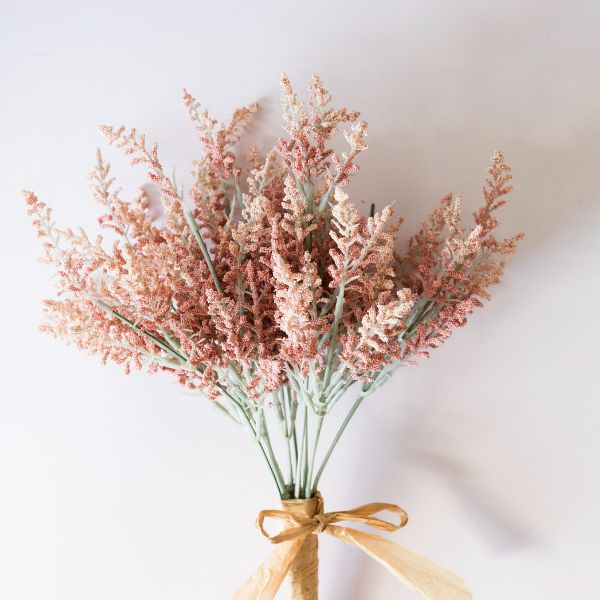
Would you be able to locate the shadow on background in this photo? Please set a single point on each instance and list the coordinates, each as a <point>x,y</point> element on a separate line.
<point>435,135</point>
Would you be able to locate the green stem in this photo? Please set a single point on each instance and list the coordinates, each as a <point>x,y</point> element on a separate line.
<point>290,480</point>
<point>293,413</point>
<point>336,439</point>
<point>300,465</point>
<point>286,430</point>
<point>339,307</point>
<point>276,469</point>
<point>313,455</point>
<point>304,482</point>
<point>238,194</point>
<point>252,431</point>
<point>290,436</point>
<point>325,199</point>
<point>225,411</point>
<point>138,329</point>
<point>209,263</point>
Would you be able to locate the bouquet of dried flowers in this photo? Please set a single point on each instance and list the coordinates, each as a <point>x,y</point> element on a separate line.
<point>269,292</point>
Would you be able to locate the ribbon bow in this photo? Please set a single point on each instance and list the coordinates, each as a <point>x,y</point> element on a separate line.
<point>417,572</point>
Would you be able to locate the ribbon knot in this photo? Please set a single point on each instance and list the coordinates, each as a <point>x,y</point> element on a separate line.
<point>322,521</point>
<point>417,572</point>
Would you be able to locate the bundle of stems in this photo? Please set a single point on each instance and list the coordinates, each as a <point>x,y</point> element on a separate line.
<point>300,413</point>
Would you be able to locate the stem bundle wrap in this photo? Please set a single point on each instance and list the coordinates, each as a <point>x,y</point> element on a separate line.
<point>303,575</point>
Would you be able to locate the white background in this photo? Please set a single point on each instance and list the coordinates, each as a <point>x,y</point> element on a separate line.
<point>126,488</point>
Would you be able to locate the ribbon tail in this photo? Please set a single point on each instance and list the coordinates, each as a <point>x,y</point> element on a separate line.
<point>267,579</point>
<point>417,572</point>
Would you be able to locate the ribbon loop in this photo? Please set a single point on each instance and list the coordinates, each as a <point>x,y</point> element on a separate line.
<point>299,527</point>
<point>364,514</point>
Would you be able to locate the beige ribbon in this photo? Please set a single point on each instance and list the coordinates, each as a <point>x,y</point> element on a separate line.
<point>417,572</point>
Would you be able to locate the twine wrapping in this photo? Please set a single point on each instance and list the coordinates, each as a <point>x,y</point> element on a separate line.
<point>303,520</point>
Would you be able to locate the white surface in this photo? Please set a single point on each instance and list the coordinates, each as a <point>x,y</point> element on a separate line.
<point>112,486</point>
